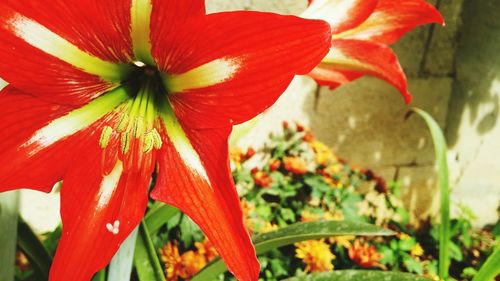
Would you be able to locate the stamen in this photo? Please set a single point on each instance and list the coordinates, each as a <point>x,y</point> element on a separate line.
<point>105,136</point>
<point>125,142</point>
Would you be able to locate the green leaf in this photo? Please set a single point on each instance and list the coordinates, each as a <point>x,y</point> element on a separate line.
<point>357,275</point>
<point>9,203</point>
<point>120,267</point>
<point>146,260</point>
<point>440,150</point>
<point>490,268</point>
<point>37,254</point>
<point>296,233</point>
<point>158,215</point>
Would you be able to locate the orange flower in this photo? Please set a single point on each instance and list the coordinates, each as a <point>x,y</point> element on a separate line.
<point>172,260</point>
<point>316,255</point>
<point>364,255</point>
<point>295,165</point>
<point>207,249</point>
<point>192,263</point>
<point>261,178</point>
<point>274,165</point>
<point>308,137</point>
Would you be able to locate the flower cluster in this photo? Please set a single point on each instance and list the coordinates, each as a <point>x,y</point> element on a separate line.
<point>187,264</point>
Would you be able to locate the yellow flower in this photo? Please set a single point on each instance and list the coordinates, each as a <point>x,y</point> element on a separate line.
<point>342,241</point>
<point>307,216</point>
<point>248,210</point>
<point>417,250</point>
<point>172,260</point>
<point>316,255</point>
<point>268,227</point>
<point>324,154</point>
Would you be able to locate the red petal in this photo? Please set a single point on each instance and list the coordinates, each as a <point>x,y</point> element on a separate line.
<point>39,73</point>
<point>168,16</point>
<point>342,15</point>
<point>101,28</point>
<point>20,165</point>
<point>93,198</point>
<point>266,50</point>
<point>351,59</point>
<point>212,201</point>
<point>392,19</point>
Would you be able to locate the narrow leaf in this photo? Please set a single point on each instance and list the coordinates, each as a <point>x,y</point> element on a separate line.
<point>158,215</point>
<point>440,150</point>
<point>37,254</point>
<point>357,275</point>
<point>9,203</point>
<point>146,260</point>
<point>296,233</point>
<point>120,267</point>
<point>491,268</point>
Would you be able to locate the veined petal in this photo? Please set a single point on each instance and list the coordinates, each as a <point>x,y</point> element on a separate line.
<point>194,176</point>
<point>55,62</point>
<point>342,15</point>
<point>99,209</point>
<point>392,19</point>
<point>351,59</point>
<point>168,18</point>
<point>251,59</point>
<point>23,115</point>
<point>99,28</point>
<point>41,135</point>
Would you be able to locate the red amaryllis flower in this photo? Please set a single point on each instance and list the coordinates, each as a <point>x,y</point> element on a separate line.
<point>103,93</point>
<point>362,31</point>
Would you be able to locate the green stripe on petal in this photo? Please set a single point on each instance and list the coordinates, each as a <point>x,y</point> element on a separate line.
<point>78,119</point>
<point>181,142</point>
<point>51,43</point>
<point>206,75</point>
<point>141,29</point>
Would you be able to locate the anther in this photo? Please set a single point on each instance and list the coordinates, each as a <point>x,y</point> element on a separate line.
<point>105,136</point>
<point>125,142</point>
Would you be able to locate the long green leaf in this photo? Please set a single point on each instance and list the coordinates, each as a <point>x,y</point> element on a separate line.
<point>440,150</point>
<point>9,203</point>
<point>296,233</point>
<point>358,275</point>
<point>37,254</point>
<point>491,268</point>
<point>120,267</point>
<point>158,215</point>
<point>146,260</point>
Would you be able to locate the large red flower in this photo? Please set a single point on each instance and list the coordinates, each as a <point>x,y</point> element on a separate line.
<point>104,93</point>
<point>362,31</point>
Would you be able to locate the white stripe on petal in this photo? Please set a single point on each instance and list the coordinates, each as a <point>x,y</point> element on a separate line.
<point>76,120</point>
<point>51,43</point>
<point>108,186</point>
<point>206,75</point>
<point>182,143</point>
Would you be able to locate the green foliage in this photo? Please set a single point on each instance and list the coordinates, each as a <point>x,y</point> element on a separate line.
<point>356,275</point>
<point>444,190</point>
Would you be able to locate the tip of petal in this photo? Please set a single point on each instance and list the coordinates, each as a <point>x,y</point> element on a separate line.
<point>408,97</point>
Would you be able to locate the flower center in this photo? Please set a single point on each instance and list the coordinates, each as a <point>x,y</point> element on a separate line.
<point>135,122</point>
